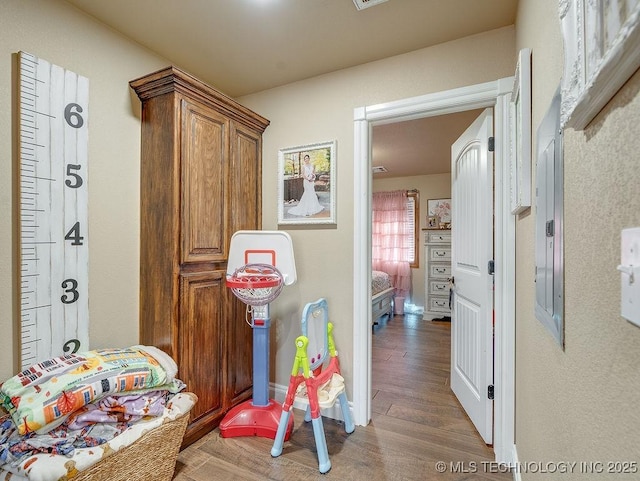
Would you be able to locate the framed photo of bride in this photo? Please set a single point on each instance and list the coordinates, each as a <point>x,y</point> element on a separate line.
<point>307,184</point>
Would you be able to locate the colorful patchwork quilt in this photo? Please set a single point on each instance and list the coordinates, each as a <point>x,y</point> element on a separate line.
<point>41,397</point>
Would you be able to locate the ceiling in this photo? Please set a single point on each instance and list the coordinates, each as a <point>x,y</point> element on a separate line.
<point>246,46</point>
<point>418,147</point>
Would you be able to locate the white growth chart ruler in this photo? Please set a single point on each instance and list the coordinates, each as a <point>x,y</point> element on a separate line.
<point>54,254</point>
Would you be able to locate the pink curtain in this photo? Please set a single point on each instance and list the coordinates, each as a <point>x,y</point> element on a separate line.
<point>391,239</point>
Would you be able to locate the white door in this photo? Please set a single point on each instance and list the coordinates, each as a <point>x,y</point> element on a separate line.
<point>472,249</point>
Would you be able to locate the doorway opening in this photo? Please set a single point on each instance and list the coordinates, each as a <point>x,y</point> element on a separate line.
<point>494,94</point>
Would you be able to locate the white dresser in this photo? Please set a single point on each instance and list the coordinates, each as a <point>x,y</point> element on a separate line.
<point>437,254</point>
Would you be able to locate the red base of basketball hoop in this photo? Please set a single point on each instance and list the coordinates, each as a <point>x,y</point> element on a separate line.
<point>249,420</point>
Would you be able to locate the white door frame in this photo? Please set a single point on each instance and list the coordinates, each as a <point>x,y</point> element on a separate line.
<point>494,94</point>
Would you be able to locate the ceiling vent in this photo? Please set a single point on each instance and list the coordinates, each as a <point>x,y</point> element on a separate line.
<point>362,4</point>
<point>379,170</point>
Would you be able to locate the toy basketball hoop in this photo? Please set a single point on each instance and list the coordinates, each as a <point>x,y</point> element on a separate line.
<point>260,264</point>
<point>256,284</point>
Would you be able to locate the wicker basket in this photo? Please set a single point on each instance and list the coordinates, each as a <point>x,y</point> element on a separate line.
<point>150,458</point>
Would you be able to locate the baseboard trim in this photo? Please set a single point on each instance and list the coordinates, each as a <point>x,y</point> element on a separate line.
<point>516,465</point>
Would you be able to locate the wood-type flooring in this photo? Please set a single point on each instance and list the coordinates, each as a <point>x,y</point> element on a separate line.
<point>418,429</point>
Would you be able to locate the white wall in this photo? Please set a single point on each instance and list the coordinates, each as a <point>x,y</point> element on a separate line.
<point>60,34</point>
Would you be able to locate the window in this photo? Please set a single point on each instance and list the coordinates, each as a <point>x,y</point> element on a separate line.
<point>393,237</point>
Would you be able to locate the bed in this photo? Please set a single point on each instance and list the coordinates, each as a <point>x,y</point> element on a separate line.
<point>382,292</point>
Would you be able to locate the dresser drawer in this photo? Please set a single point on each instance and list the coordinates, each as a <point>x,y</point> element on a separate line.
<point>439,253</point>
<point>439,287</point>
<point>438,237</point>
<point>439,304</point>
<point>440,271</point>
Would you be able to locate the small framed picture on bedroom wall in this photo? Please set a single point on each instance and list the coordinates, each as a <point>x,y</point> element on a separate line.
<point>307,184</point>
<point>439,214</point>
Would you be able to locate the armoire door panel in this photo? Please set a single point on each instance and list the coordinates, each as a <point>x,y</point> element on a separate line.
<point>201,363</point>
<point>245,176</point>
<point>204,170</point>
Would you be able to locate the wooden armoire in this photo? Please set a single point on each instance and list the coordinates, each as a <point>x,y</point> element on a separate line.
<point>201,169</point>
